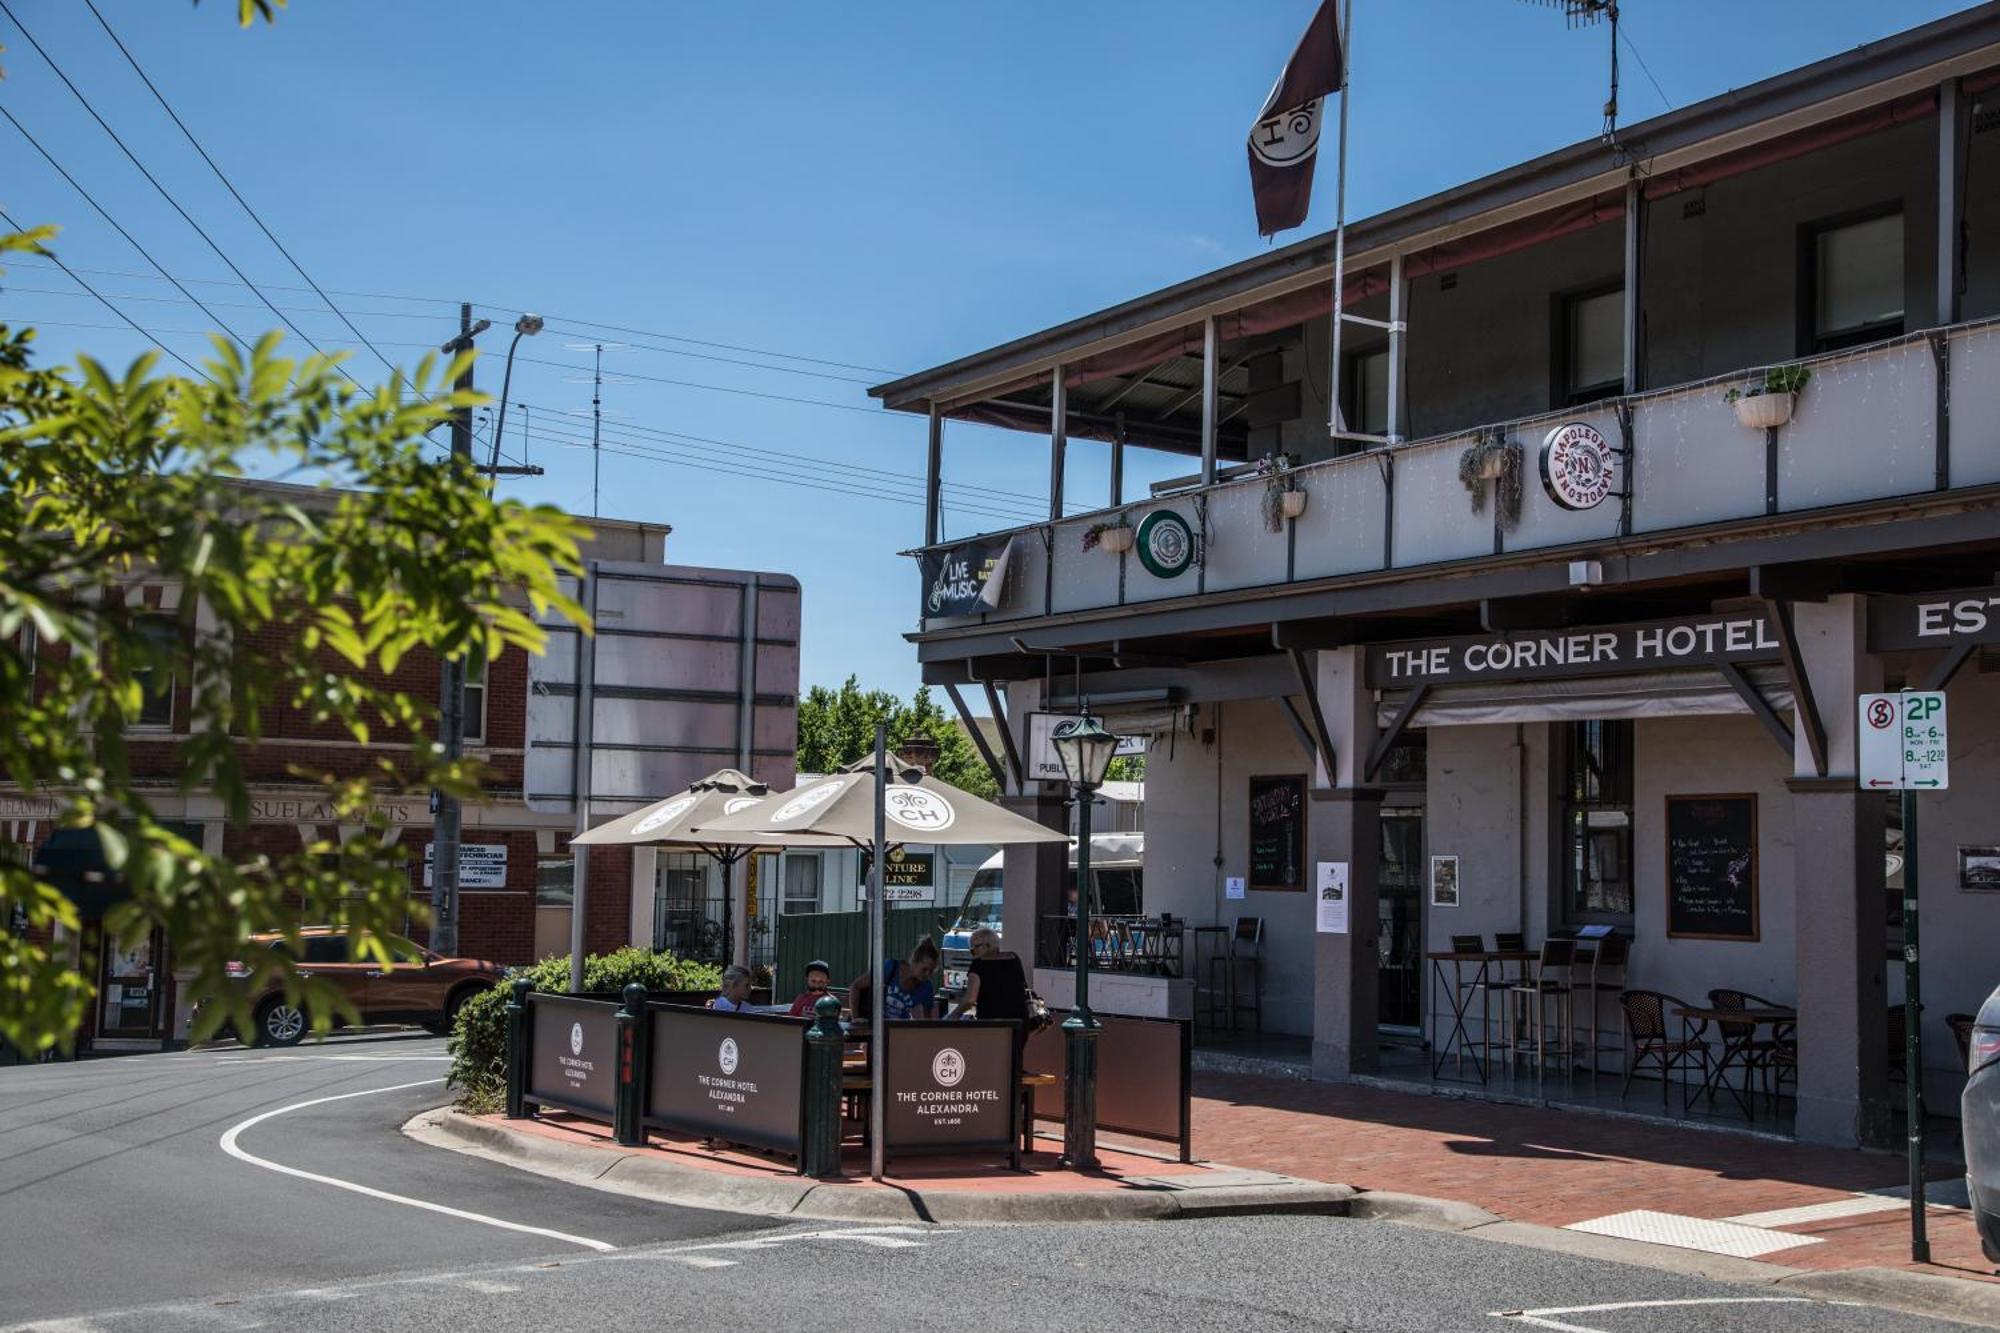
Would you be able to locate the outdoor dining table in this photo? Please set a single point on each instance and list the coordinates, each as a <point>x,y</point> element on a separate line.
<point>1735,1049</point>
<point>1458,999</point>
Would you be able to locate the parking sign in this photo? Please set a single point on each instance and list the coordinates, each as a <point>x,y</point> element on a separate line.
<point>1902,741</point>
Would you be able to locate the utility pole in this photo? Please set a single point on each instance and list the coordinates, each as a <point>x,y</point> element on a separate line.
<point>446,814</point>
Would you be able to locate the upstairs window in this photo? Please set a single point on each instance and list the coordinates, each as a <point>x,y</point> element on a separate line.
<point>1591,326</point>
<point>1853,281</point>
<point>156,679</point>
<point>475,698</point>
<point>1368,392</point>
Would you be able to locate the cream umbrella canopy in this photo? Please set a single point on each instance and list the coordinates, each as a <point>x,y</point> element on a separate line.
<point>671,823</point>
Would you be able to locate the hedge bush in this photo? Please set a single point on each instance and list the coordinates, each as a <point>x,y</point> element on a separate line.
<point>479,1037</point>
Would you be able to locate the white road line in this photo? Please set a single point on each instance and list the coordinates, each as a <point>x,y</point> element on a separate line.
<point>1832,1210</point>
<point>229,1145</point>
<point>1542,1319</point>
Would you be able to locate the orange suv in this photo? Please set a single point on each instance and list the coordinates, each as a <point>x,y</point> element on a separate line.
<point>418,987</point>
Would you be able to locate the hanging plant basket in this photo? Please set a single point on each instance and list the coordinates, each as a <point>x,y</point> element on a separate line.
<point>1762,411</point>
<point>1769,405</point>
<point>1493,460</point>
<point>1117,540</point>
<point>1292,503</point>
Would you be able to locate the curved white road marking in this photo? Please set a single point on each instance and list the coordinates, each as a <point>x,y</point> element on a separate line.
<point>1540,1318</point>
<point>230,1146</point>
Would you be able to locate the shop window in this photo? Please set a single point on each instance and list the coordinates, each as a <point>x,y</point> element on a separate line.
<point>555,880</point>
<point>1852,281</point>
<point>156,679</point>
<point>1407,763</point>
<point>475,698</point>
<point>1368,392</point>
<point>1594,768</point>
<point>1591,346</point>
<point>802,877</point>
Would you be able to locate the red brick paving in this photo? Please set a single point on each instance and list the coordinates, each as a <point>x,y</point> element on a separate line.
<point>1555,1167</point>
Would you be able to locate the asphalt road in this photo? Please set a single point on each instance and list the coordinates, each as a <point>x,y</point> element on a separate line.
<point>121,1209</point>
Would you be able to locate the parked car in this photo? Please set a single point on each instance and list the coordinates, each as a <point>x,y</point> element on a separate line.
<point>1980,1109</point>
<point>1117,865</point>
<point>419,986</point>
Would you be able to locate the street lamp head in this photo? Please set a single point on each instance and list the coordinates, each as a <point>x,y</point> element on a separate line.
<point>1085,748</point>
<point>528,324</point>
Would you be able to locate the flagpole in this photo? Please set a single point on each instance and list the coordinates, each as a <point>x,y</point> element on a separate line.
<point>878,1030</point>
<point>1334,425</point>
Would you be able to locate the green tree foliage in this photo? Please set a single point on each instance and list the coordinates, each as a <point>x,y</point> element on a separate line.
<point>837,727</point>
<point>293,600</point>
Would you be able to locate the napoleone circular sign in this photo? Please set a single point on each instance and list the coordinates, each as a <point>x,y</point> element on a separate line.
<point>1165,544</point>
<point>1576,466</point>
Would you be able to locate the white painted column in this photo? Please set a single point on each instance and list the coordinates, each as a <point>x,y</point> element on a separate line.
<point>1209,352</point>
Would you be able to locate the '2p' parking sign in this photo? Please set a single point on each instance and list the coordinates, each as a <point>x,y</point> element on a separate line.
<point>1901,741</point>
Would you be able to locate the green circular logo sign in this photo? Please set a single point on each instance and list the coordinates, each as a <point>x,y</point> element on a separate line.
<point>1165,544</point>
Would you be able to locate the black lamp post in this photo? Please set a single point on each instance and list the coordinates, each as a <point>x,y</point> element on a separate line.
<point>1085,748</point>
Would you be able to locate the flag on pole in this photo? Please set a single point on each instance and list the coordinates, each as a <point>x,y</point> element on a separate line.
<point>1285,140</point>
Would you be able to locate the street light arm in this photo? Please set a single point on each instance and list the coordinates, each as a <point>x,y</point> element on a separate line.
<point>500,426</point>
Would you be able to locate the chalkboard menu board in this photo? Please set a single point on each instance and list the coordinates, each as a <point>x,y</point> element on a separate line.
<point>1278,833</point>
<point>1712,867</point>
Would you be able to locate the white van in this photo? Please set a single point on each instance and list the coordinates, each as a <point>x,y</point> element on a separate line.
<point>1117,872</point>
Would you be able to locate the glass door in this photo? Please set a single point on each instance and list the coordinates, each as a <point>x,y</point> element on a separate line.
<point>128,987</point>
<point>1399,943</point>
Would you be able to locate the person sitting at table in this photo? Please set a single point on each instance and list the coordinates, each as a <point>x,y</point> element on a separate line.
<point>735,997</point>
<point>906,987</point>
<point>818,978</point>
<point>995,982</point>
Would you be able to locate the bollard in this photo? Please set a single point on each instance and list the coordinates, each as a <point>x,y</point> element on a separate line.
<point>1080,1093</point>
<point>629,1101</point>
<point>518,1054</point>
<point>824,1039</point>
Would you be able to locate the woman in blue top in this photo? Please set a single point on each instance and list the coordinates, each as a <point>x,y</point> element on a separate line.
<point>735,997</point>
<point>906,987</point>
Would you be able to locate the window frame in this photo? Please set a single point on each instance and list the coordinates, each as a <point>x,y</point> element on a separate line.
<point>170,626</point>
<point>787,899</point>
<point>1563,809</point>
<point>1352,380</point>
<point>474,727</point>
<point>1562,350</point>
<point>1810,341</point>
<point>567,860</point>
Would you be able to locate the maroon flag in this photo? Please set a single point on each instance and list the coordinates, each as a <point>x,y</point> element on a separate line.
<point>1285,140</point>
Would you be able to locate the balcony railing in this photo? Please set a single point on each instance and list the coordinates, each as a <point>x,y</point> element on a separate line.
<point>1907,416</point>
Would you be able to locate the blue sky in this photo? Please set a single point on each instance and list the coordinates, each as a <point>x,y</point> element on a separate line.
<point>882,185</point>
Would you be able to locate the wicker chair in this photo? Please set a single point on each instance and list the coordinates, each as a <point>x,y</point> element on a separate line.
<point>1765,1059</point>
<point>1647,1039</point>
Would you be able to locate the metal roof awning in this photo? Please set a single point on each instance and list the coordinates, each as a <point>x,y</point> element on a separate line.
<point>1602,698</point>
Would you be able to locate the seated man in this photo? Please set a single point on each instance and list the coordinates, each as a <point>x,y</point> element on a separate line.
<point>819,977</point>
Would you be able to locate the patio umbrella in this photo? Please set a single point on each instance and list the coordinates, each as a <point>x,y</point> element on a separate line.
<point>671,823</point>
<point>872,809</point>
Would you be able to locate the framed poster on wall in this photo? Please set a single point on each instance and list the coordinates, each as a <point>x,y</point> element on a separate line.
<point>1444,881</point>
<point>1278,833</point>
<point>1712,867</point>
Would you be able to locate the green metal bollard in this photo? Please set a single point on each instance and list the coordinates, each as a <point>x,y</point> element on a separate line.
<point>518,1053</point>
<point>626,1107</point>
<point>824,1039</point>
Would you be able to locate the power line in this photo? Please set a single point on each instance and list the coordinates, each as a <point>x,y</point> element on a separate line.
<point>129,238</point>
<point>739,446</point>
<point>154,182</point>
<point>230,186</point>
<point>727,347</point>
<point>106,302</point>
<point>280,287</point>
<point>1646,69</point>
<point>228,305</point>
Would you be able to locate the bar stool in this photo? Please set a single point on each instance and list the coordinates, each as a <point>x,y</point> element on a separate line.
<point>1604,974</point>
<point>1245,951</point>
<point>1499,982</point>
<point>1551,979</point>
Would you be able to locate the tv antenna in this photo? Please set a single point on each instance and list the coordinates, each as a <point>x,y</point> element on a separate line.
<point>597,403</point>
<point>1586,14</point>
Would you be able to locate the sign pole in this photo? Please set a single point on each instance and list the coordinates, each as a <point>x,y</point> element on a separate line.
<point>878,1039</point>
<point>1913,1068</point>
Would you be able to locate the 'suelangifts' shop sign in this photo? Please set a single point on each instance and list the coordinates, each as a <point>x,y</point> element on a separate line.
<point>966,579</point>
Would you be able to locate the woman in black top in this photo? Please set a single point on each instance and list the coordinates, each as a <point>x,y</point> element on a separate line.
<point>995,984</point>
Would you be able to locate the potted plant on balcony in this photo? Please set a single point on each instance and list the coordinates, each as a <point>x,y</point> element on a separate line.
<point>1114,535</point>
<point>1493,457</point>
<point>1766,404</point>
<point>1284,498</point>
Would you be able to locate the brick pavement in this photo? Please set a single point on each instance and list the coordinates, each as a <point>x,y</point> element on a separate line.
<point>1556,1167</point>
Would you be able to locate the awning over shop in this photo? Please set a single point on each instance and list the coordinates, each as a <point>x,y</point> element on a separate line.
<point>73,860</point>
<point>1645,694</point>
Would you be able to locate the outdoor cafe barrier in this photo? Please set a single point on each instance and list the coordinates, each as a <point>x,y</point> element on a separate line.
<point>763,1081</point>
<point>1144,1076</point>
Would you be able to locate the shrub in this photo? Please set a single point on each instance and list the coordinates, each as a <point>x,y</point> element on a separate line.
<point>479,1037</point>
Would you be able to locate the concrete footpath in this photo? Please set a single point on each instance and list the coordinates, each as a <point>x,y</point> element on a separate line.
<point>1730,1207</point>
